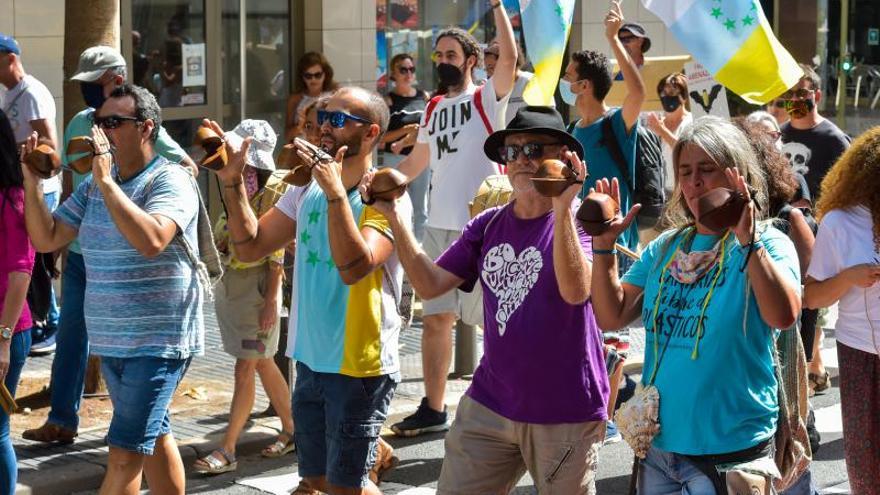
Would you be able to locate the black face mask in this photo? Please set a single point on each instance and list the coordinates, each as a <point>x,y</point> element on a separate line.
<point>93,94</point>
<point>449,75</point>
<point>670,103</point>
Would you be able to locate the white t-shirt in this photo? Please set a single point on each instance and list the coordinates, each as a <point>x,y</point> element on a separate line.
<point>455,132</point>
<point>845,239</point>
<point>26,101</point>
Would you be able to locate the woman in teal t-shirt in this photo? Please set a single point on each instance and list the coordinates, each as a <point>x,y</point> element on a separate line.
<point>710,302</point>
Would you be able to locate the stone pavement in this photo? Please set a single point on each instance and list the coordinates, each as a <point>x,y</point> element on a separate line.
<point>78,467</point>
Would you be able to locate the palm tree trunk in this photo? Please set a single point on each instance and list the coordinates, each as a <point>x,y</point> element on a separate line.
<point>86,23</point>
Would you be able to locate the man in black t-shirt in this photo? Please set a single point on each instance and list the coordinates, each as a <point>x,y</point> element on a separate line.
<point>810,142</point>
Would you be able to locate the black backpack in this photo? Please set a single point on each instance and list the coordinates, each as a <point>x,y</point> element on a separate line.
<point>647,187</point>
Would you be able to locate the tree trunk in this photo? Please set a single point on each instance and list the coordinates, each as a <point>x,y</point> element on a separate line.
<point>87,23</point>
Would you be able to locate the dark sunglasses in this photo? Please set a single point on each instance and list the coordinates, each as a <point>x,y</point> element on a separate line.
<point>337,119</point>
<point>313,75</point>
<point>113,121</point>
<point>532,151</point>
<point>626,39</point>
<point>780,103</point>
<point>407,70</point>
<point>800,93</point>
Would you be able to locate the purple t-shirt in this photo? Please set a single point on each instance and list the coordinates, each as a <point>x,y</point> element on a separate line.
<point>543,361</point>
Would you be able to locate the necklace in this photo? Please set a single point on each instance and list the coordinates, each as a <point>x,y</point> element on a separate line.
<point>663,278</point>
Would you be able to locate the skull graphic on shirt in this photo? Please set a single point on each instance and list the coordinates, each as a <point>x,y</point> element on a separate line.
<point>798,156</point>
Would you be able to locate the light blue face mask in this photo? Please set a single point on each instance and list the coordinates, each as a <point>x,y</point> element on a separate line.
<point>565,92</point>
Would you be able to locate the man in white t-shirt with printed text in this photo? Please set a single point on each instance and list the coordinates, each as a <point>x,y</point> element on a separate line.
<point>450,141</point>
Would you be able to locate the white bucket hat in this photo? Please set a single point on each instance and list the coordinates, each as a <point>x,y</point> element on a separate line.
<point>263,145</point>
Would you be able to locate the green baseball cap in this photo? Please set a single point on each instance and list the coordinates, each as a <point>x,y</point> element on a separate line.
<point>95,61</point>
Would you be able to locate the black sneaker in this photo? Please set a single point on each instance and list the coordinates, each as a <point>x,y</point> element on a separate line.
<point>812,432</point>
<point>424,420</point>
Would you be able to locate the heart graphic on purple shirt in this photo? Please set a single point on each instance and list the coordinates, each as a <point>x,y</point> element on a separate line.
<point>510,277</point>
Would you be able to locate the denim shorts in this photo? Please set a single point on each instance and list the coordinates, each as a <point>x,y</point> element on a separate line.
<point>338,419</point>
<point>141,389</point>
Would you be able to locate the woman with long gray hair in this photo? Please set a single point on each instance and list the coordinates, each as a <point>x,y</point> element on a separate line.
<point>711,298</point>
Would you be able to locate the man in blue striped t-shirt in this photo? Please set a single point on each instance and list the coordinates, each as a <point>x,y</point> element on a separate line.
<point>143,308</point>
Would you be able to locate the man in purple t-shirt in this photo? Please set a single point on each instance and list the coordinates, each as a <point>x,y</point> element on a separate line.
<point>538,398</point>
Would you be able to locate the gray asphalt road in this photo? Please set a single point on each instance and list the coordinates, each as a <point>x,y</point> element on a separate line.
<point>421,459</point>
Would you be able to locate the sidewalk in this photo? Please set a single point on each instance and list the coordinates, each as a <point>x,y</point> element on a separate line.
<point>81,466</point>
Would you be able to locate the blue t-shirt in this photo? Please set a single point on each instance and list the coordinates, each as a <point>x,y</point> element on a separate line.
<point>81,125</point>
<point>725,399</point>
<point>601,165</point>
<point>138,306</point>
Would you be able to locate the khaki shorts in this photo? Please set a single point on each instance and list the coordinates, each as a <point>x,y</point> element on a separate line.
<point>435,243</point>
<point>487,453</point>
<point>238,301</point>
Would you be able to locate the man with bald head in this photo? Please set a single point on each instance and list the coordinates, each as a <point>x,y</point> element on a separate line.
<point>347,277</point>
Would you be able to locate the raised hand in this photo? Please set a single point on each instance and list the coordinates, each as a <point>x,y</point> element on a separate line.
<point>326,170</point>
<point>620,222</point>
<point>236,156</point>
<point>580,169</point>
<point>744,228</point>
<point>103,159</point>
<point>613,20</point>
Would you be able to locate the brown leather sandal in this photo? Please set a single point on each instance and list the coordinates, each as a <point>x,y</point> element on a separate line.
<point>385,462</point>
<point>50,433</point>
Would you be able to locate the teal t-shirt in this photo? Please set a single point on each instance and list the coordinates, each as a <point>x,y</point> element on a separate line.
<point>725,399</point>
<point>81,125</point>
<point>601,165</point>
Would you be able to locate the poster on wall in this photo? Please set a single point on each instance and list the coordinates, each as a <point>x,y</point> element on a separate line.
<point>403,13</point>
<point>708,96</point>
<point>193,64</point>
<point>381,61</point>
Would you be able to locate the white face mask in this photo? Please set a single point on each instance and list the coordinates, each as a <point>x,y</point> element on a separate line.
<point>566,93</point>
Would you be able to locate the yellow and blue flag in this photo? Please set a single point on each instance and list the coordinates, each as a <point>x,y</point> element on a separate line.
<point>546,25</point>
<point>734,42</point>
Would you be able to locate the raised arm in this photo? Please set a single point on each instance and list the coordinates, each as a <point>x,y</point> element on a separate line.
<point>46,234</point>
<point>635,87</point>
<point>615,304</point>
<point>570,264</point>
<point>427,278</point>
<point>253,238</point>
<point>505,68</point>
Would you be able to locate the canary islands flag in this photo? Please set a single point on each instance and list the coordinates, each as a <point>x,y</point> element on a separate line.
<point>734,42</point>
<point>546,25</point>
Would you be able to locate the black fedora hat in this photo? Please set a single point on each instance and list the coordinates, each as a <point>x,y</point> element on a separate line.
<point>532,120</point>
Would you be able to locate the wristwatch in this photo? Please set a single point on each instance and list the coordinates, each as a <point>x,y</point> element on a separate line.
<point>5,333</point>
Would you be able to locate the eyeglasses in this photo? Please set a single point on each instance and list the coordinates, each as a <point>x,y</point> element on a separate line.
<point>532,151</point>
<point>337,119</point>
<point>113,121</point>
<point>780,103</point>
<point>800,94</point>
<point>627,39</point>
<point>313,75</point>
<point>406,70</point>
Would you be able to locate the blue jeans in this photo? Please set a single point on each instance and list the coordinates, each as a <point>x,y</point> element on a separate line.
<point>18,351</point>
<point>141,389</point>
<point>51,200</point>
<point>72,347</point>
<point>665,473</point>
<point>418,194</point>
<point>338,419</point>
